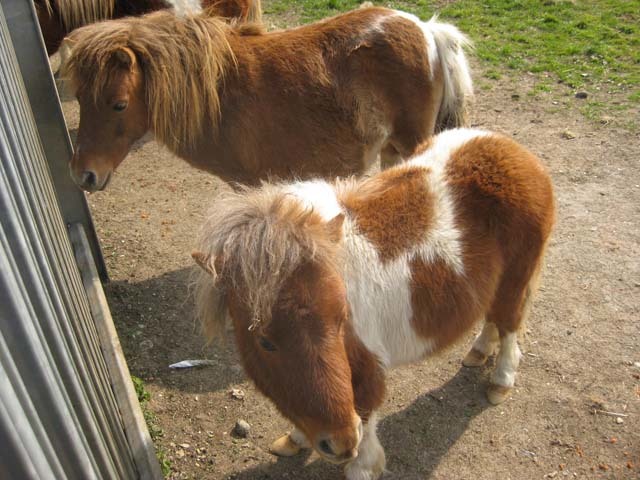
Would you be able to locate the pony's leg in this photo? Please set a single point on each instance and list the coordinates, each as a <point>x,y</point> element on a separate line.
<point>370,462</point>
<point>290,444</point>
<point>509,312</point>
<point>483,346</point>
<point>504,376</point>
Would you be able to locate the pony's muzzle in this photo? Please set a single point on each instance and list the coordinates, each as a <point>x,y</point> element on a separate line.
<point>341,448</point>
<point>89,181</point>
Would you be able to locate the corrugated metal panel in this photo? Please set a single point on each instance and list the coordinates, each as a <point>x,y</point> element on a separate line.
<point>59,417</point>
<point>47,112</point>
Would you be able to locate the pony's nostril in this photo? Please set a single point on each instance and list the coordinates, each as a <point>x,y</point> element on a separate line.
<point>89,179</point>
<point>326,447</point>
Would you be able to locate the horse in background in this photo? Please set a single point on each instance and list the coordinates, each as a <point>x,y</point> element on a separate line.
<point>58,18</point>
<point>324,99</point>
<point>329,285</point>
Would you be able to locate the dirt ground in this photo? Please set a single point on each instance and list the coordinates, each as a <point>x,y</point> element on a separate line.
<point>582,348</point>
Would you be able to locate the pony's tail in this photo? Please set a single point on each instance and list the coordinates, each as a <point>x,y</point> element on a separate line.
<point>458,87</point>
<point>254,13</point>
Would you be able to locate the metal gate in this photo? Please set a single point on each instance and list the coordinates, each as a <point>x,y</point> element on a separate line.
<point>67,406</point>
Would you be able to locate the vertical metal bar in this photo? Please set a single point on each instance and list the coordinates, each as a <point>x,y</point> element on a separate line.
<point>34,65</point>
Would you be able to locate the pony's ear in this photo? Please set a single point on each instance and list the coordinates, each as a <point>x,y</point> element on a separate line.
<point>334,227</point>
<point>125,57</point>
<point>204,261</point>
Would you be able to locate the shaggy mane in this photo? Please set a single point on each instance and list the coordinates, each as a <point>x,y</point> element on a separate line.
<point>183,61</point>
<point>262,236</point>
<point>76,13</point>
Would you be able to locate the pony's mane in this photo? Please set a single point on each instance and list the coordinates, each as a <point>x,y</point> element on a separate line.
<point>183,61</point>
<point>76,13</point>
<point>262,236</point>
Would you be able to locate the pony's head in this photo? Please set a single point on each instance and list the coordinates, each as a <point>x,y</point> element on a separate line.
<point>157,72</point>
<point>271,266</point>
<point>113,115</point>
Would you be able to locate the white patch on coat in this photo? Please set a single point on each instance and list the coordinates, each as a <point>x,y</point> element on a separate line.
<point>379,295</point>
<point>443,240</point>
<point>432,50</point>
<point>370,462</point>
<point>316,194</point>
<point>507,361</point>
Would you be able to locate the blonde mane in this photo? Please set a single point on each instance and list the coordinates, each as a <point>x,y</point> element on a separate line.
<point>76,13</point>
<point>183,61</point>
<point>261,236</point>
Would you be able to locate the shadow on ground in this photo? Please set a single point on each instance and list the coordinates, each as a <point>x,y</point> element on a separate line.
<point>421,434</point>
<point>157,327</point>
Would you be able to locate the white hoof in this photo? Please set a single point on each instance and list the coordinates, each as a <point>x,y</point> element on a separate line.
<point>285,447</point>
<point>496,394</point>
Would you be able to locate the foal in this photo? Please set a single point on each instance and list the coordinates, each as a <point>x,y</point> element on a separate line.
<point>329,285</point>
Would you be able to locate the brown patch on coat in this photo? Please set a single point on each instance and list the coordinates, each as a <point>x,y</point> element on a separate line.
<point>505,211</point>
<point>367,376</point>
<point>393,210</point>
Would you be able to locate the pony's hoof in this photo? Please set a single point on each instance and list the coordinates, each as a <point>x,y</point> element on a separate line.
<point>496,394</point>
<point>475,358</point>
<point>285,447</point>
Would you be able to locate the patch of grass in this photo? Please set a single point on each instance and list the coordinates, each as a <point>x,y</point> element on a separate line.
<point>586,44</point>
<point>152,423</point>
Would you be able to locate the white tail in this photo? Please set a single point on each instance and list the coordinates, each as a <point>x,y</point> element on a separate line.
<point>458,87</point>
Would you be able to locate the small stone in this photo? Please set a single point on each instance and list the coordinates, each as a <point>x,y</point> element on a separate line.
<point>582,95</point>
<point>180,453</point>
<point>568,135</point>
<point>237,393</point>
<point>185,446</point>
<point>636,364</point>
<point>606,119</point>
<point>551,475</point>
<point>619,421</point>
<point>242,429</point>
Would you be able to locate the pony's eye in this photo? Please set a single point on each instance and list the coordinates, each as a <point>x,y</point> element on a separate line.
<point>266,344</point>
<point>120,106</point>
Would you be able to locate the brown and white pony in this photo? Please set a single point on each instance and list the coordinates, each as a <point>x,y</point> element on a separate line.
<point>319,100</point>
<point>329,285</point>
<point>58,18</point>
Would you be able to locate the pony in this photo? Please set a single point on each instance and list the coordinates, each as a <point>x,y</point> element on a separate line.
<point>58,18</point>
<point>329,285</point>
<point>320,100</point>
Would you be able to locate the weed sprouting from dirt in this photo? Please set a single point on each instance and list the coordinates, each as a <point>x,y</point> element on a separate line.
<point>152,424</point>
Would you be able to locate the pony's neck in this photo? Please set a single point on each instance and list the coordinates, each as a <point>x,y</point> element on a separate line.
<point>182,72</point>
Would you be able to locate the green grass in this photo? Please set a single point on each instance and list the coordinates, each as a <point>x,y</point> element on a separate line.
<point>152,423</point>
<point>583,44</point>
